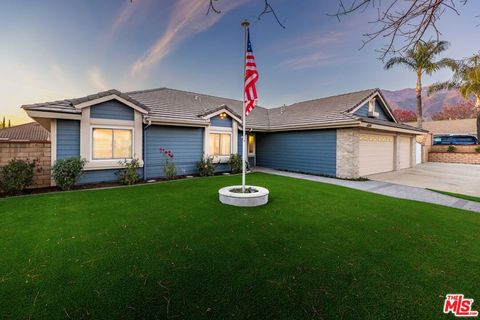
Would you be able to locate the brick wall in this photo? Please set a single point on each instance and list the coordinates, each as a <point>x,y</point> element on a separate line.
<point>39,151</point>
<point>459,149</point>
<point>455,157</point>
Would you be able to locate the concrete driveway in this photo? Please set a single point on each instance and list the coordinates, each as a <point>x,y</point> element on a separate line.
<point>451,177</point>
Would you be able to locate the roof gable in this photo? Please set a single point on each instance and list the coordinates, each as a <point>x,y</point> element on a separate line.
<point>75,105</point>
<point>381,106</point>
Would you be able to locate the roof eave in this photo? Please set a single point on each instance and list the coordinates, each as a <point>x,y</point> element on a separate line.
<point>176,122</point>
<point>386,127</point>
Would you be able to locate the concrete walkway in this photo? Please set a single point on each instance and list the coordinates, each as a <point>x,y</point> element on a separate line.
<point>385,188</point>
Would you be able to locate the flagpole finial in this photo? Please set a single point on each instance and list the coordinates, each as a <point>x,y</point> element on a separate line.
<point>245,23</point>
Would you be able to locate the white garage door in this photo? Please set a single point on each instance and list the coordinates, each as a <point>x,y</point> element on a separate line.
<point>376,153</point>
<point>405,152</point>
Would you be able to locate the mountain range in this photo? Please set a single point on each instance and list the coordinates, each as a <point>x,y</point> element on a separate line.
<point>405,99</point>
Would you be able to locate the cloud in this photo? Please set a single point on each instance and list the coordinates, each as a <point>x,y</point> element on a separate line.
<point>96,78</point>
<point>187,18</point>
<point>312,41</point>
<point>313,50</point>
<point>311,60</point>
<point>126,11</point>
<point>129,10</point>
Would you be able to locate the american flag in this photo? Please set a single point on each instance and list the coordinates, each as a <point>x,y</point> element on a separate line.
<point>251,77</point>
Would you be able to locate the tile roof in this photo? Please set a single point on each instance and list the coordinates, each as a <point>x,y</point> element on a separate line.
<point>32,131</point>
<point>324,110</point>
<point>68,105</point>
<point>172,104</point>
<point>177,104</point>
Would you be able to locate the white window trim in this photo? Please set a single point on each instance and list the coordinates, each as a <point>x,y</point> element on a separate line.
<point>222,158</point>
<point>132,130</point>
<point>86,134</point>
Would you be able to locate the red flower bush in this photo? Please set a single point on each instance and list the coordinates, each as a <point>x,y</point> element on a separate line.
<point>168,167</point>
<point>166,152</point>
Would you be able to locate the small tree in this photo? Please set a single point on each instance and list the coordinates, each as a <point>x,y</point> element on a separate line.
<point>17,175</point>
<point>464,110</point>
<point>128,174</point>
<point>420,59</point>
<point>403,115</point>
<point>206,167</point>
<point>66,172</point>
<point>235,162</point>
<point>466,78</point>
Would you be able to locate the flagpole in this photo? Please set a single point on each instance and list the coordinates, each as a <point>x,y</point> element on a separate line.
<point>245,25</point>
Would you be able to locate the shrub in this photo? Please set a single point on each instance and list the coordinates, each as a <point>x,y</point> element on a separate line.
<point>128,174</point>
<point>66,172</point>
<point>451,149</point>
<point>206,167</point>
<point>477,149</point>
<point>169,167</point>
<point>17,175</point>
<point>235,162</point>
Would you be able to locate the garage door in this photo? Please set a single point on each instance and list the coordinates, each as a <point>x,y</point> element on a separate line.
<point>404,152</point>
<point>376,153</point>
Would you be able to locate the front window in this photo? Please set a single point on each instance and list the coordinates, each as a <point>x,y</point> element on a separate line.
<point>220,144</point>
<point>110,143</point>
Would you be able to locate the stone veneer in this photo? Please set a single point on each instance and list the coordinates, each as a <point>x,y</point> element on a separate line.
<point>348,151</point>
<point>39,151</point>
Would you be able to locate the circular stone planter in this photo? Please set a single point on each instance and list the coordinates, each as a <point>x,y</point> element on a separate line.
<point>253,199</point>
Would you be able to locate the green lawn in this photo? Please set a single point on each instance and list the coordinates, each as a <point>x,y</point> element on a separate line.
<point>458,195</point>
<point>171,250</point>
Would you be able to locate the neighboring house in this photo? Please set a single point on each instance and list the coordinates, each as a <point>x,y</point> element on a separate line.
<point>28,132</point>
<point>441,127</point>
<point>28,141</point>
<point>347,136</point>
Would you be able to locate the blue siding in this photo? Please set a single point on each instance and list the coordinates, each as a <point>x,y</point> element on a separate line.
<point>222,167</point>
<point>363,111</point>
<point>68,138</point>
<point>68,145</point>
<point>97,176</point>
<point>186,144</point>
<point>218,122</point>
<point>112,109</point>
<point>312,151</point>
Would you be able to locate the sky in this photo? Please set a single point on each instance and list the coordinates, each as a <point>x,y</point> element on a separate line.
<point>53,50</point>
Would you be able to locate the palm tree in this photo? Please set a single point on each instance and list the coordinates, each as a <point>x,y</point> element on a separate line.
<point>421,60</point>
<point>466,79</point>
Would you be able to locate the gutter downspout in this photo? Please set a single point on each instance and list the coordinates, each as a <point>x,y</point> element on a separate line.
<point>149,123</point>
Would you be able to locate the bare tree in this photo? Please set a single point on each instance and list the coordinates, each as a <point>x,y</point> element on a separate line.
<point>403,22</point>
<point>267,9</point>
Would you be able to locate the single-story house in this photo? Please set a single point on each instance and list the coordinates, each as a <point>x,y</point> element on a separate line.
<point>347,136</point>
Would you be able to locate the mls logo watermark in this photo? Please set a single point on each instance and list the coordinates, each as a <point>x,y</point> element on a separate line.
<point>459,306</point>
